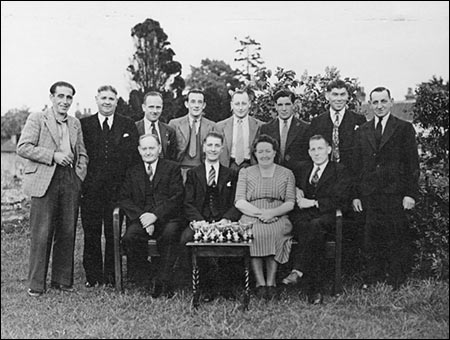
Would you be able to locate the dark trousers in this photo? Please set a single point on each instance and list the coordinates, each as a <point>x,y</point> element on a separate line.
<point>135,241</point>
<point>310,230</point>
<point>53,219</point>
<point>387,240</point>
<point>97,216</point>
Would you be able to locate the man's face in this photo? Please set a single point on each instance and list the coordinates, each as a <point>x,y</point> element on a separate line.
<point>106,102</point>
<point>152,108</point>
<point>381,103</point>
<point>337,98</point>
<point>319,151</point>
<point>240,104</point>
<point>212,147</point>
<point>62,99</point>
<point>149,149</point>
<point>195,104</point>
<point>284,107</point>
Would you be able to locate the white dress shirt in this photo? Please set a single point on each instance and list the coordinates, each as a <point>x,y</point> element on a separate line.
<point>289,121</point>
<point>333,115</point>
<point>322,168</point>
<point>148,127</point>
<point>101,119</point>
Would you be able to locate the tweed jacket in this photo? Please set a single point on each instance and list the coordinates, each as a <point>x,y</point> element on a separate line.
<point>168,139</point>
<point>181,126</point>
<point>226,127</point>
<point>39,141</point>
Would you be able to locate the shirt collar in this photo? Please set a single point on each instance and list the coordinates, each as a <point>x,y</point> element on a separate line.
<point>101,118</point>
<point>289,120</point>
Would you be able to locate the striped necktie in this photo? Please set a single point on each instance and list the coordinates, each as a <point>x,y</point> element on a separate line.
<point>335,139</point>
<point>212,177</point>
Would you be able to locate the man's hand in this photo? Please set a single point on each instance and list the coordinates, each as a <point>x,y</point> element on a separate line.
<point>62,158</point>
<point>408,203</point>
<point>299,194</point>
<point>357,205</point>
<point>150,229</point>
<point>304,203</point>
<point>147,219</point>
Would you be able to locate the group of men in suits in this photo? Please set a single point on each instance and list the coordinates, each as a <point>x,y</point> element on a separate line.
<point>153,170</point>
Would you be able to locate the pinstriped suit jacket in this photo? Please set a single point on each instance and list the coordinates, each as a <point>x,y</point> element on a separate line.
<point>38,143</point>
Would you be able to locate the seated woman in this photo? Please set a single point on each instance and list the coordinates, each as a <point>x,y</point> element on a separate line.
<point>265,194</point>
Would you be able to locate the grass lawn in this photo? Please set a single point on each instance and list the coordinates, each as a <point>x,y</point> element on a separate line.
<point>419,310</point>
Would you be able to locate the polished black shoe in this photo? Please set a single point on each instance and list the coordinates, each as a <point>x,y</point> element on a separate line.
<point>228,295</point>
<point>271,293</point>
<point>261,292</point>
<point>315,298</point>
<point>64,288</point>
<point>34,293</point>
<point>89,284</point>
<point>208,297</point>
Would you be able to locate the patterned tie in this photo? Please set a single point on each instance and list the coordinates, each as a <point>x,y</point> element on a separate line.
<point>193,140</point>
<point>315,177</point>
<point>335,156</point>
<point>212,177</point>
<point>105,127</point>
<point>239,156</point>
<point>149,171</point>
<point>284,133</point>
<point>379,131</point>
<point>154,132</point>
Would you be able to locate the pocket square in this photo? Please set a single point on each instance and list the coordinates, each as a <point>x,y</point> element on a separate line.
<point>125,135</point>
<point>229,184</point>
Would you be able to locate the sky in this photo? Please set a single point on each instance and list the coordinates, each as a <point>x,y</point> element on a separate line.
<point>394,44</point>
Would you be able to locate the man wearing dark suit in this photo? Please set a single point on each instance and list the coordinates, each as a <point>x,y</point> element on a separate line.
<point>387,168</point>
<point>338,125</point>
<point>191,130</point>
<point>325,187</point>
<point>111,144</point>
<point>290,132</point>
<point>152,197</point>
<point>153,107</point>
<point>209,196</point>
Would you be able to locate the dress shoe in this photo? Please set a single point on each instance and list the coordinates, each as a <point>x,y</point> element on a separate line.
<point>271,293</point>
<point>64,288</point>
<point>228,294</point>
<point>261,292</point>
<point>88,284</point>
<point>162,289</point>
<point>293,277</point>
<point>315,298</point>
<point>34,293</point>
<point>208,297</point>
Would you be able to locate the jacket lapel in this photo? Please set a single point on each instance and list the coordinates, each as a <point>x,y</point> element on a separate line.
<point>389,129</point>
<point>228,131</point>
<point>371,134</point>
<point>73,132</point>
<point>222,178</point>
<point>158,172</point>
<point>50,122</point>
<point>201,173</point>
<point>185,128</point>
<point>307,174</point>
<point>253,127</point>
<point>327,173</point>
<point>293,131</point>
<point>164,138</point>
<point>141,177</point>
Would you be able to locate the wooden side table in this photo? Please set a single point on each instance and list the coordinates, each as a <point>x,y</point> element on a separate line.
<point>201,249</point>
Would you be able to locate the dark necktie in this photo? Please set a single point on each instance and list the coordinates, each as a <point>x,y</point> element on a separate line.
<point>193,140</point>
<point>315,177</point>
<point>379,131</point>
<point>105,127</point>
<point>335,156</point>
<point>154,132</point>
<point>283,138</point>
<point>212,177</point>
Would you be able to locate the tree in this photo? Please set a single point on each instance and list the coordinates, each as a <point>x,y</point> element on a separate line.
<point>153,67</point>
<point>13,122</point>
<point>215,77</point>
<point>248,58</point>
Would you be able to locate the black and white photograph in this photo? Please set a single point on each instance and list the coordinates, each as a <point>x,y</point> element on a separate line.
<point>224,169</point>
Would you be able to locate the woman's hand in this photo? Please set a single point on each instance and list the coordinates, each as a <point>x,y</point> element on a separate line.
<point>268,216</point>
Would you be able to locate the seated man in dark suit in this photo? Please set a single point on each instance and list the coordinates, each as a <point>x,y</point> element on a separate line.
<point>152,197</point>
<point>209,194</point>
<point>325,186</point>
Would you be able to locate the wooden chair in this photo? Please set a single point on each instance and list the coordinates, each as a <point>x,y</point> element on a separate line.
<point>333,251</point>
<point>119,251</point>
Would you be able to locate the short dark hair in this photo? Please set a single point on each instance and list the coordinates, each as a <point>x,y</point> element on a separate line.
<point>266,139</point>
<point>337,84</point>
<point>107,88</point>
<point>152,94</point>
<point>215,134</point>
<point>284,93</point>
<point>319,137</point>
<point>195,91</point>
<point>380,89</point>
<point>63,84</point>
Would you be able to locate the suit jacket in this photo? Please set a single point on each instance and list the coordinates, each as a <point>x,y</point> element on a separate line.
<point>226,127</point>
<point>323,125</point>
<point>167,192</point>
<point>168,139</point>
<point>182,129</point>
<point>296,142</point>
<point>122,153</point>
<point>393,168</point>
<point>39,141</point>
<point>332,191</point>
<point>195,193</point>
